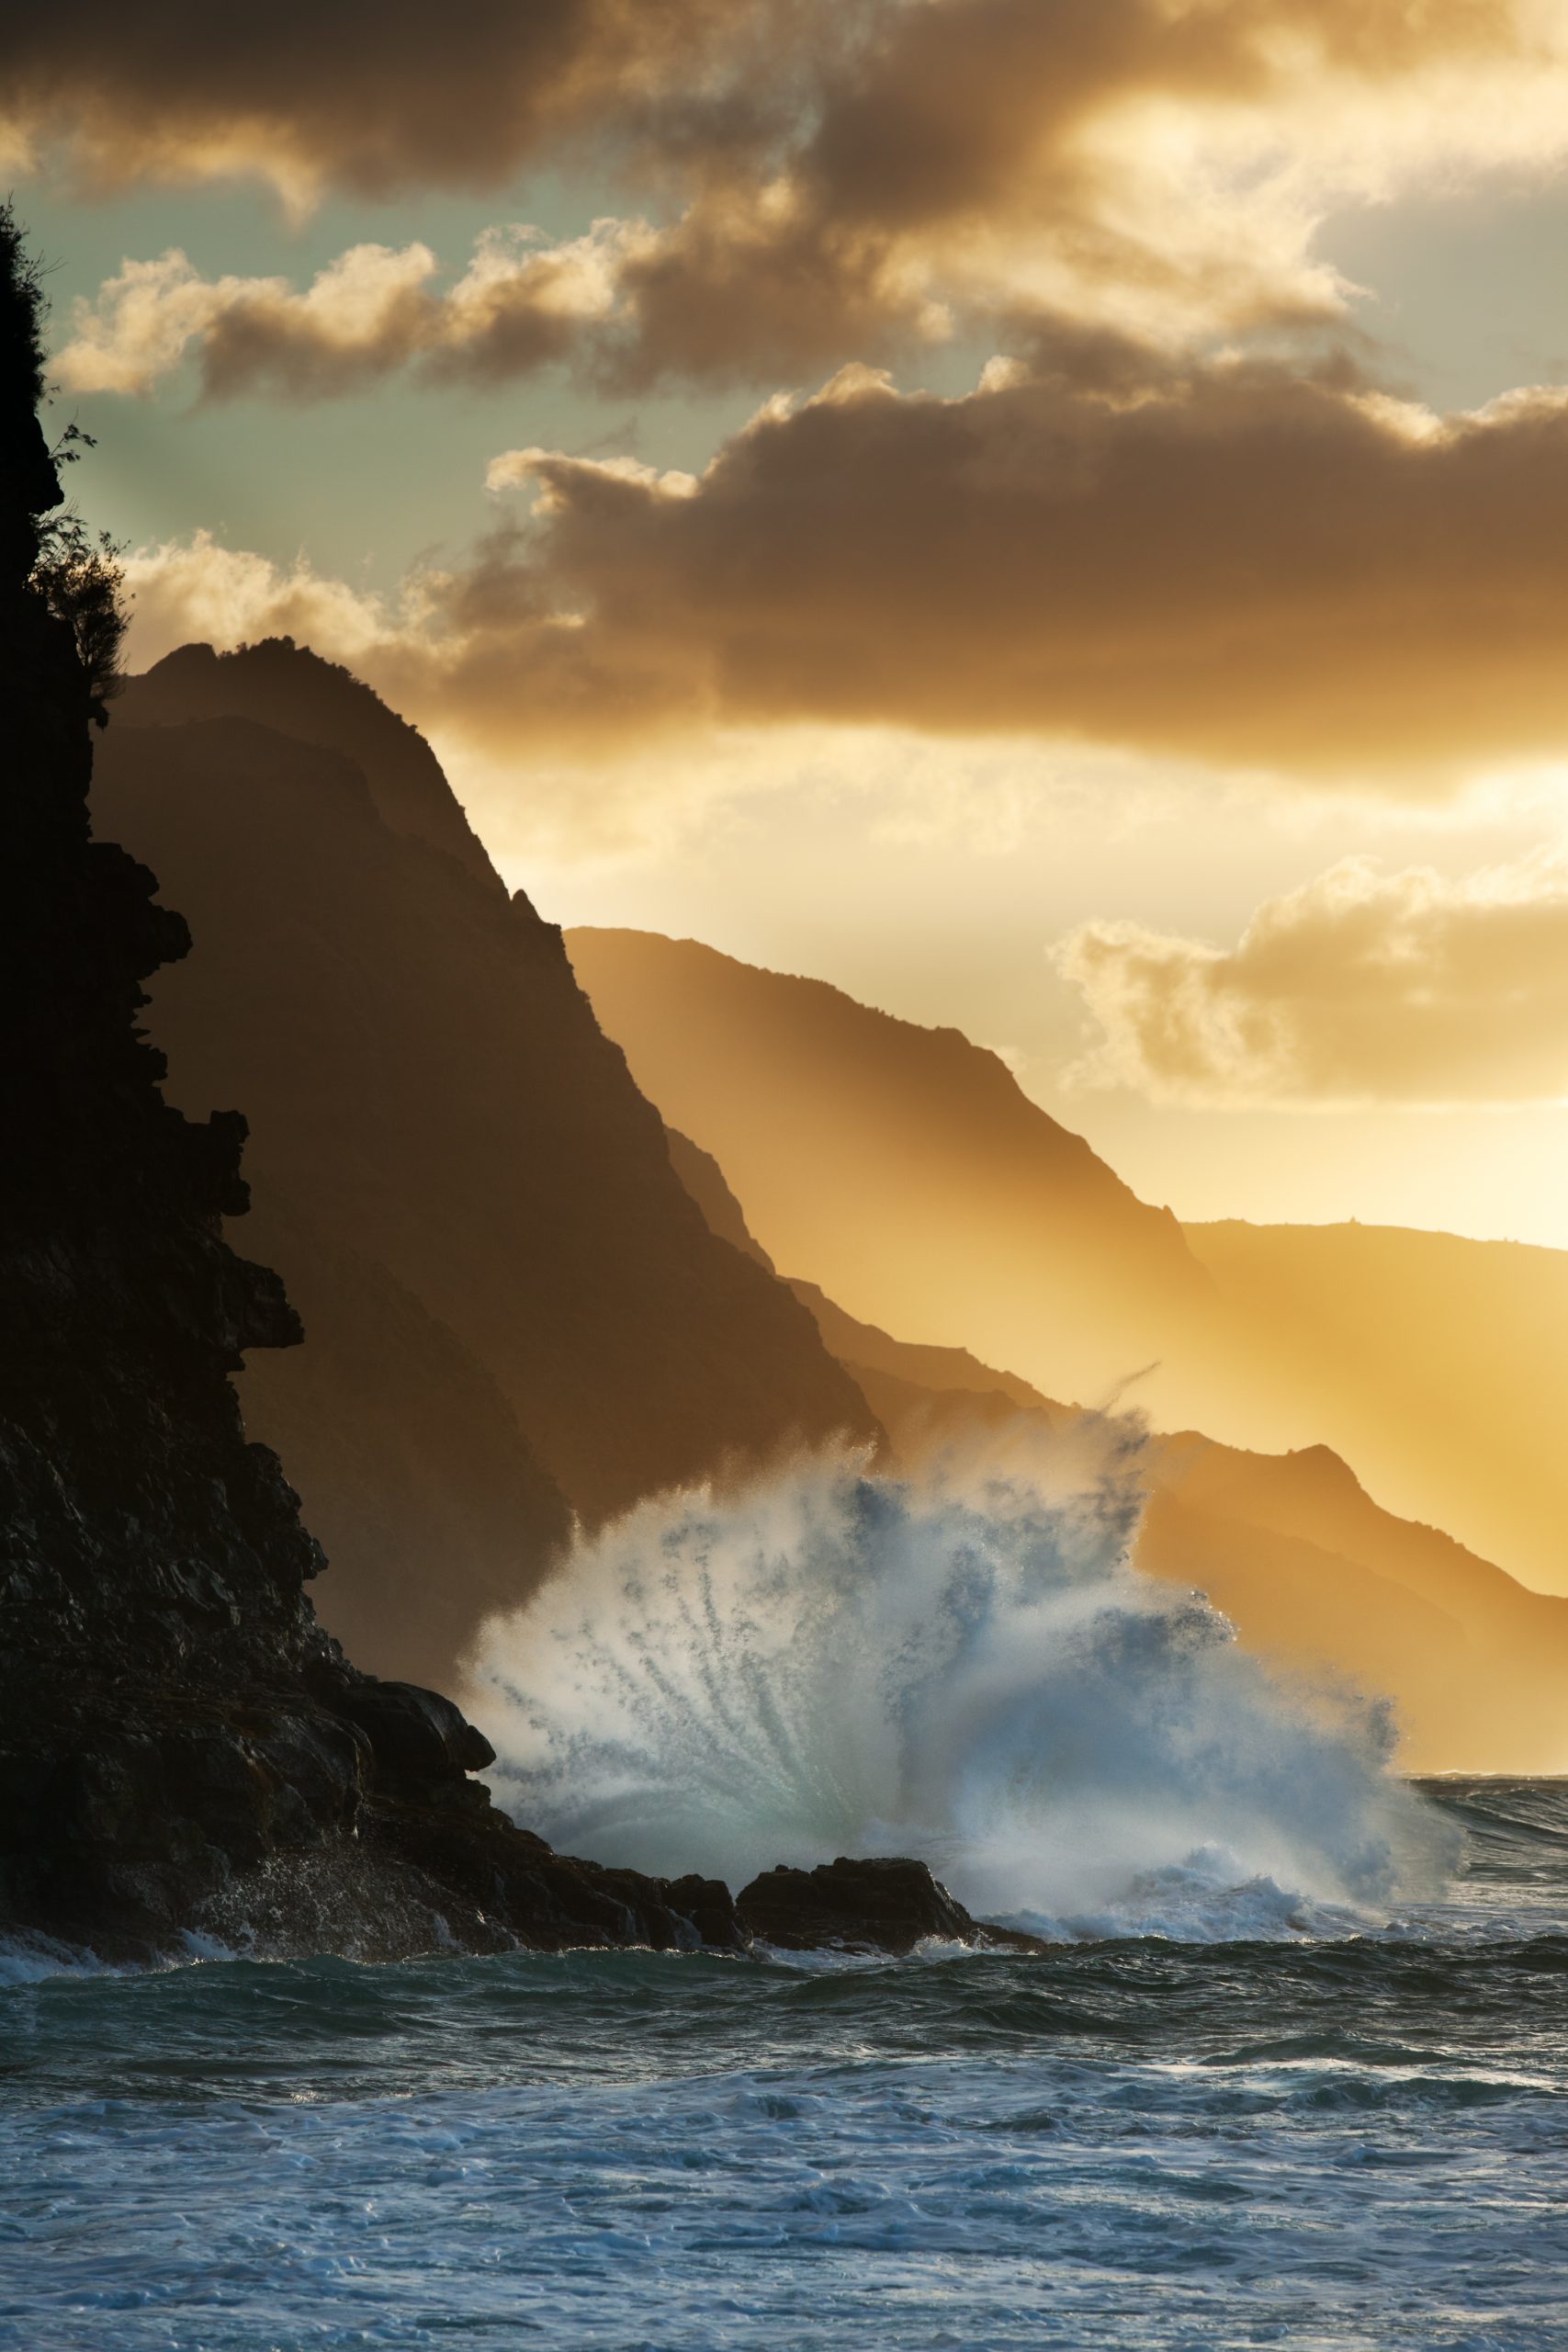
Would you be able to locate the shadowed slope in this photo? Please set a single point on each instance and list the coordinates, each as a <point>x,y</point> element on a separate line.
<point>285,686</point>
<point>517,1306</point>
<point>181,1749</point>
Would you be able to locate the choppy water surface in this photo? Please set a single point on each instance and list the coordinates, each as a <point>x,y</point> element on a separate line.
<point>1326,2139</point>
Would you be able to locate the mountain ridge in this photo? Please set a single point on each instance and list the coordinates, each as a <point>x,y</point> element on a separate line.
<point>1319,1579</point>
<point>1429,1361</point>
<point>429,1091</point>
<point>991,1227</point>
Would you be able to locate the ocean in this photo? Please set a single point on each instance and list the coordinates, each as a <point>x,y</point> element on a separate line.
<point>1289,2127</point>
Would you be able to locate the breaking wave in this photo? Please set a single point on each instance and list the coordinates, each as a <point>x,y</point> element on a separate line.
<point>965,1668</point>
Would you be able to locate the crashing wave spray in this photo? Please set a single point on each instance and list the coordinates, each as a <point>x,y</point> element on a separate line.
<point>966,1670</point>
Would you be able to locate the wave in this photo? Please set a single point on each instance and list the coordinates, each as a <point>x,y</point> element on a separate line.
<point>32,1959</point>
<point>965,1668</point>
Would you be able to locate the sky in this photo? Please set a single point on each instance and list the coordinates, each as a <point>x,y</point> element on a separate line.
<point>1047,514</point>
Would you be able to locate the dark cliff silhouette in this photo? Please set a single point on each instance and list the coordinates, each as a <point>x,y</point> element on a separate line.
<point>515,1311</point>
<point>281,685</point>
<point>181,1745</point>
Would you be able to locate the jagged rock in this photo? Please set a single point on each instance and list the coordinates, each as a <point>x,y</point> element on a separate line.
<point>182,1746</point>
<point>890,1903</point>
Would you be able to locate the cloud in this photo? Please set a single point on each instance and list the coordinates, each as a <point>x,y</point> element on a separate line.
<point>480,651</point>
<point>1226,564</point>
<point>373,99</point>
<point>829,179</point>
<point>201,591</point>
<point>1360,987</point>
<point>522,303</point>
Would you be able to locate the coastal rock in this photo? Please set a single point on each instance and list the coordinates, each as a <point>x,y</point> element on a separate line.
<point>890,1903</point>
<point>415,1733</point>
<point>183,1750</point>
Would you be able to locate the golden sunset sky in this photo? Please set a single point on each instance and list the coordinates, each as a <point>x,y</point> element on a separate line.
<point>1051,514</point>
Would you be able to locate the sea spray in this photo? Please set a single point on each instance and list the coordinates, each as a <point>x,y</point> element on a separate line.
<point>965,1668</point>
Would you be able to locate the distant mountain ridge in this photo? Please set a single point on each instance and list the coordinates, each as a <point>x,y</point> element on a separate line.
<point>515,1313</point>
<point>905,1172</point>
<point>1318,1580</point>
<point>900,1168</point>
<point>1437,1364</point>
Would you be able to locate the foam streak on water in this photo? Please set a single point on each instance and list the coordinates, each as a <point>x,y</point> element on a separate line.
<point>831,1663</point>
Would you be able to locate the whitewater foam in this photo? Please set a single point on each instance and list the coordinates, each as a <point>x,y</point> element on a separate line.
<point>966,1669</point>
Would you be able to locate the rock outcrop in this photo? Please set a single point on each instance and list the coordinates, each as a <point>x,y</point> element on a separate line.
<point>884,1904</point>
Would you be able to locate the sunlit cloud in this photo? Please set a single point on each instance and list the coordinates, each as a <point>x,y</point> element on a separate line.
<point>523,301</point>
<point>821,182</point>
<point>1361,988</point>
<point>1229,565</point>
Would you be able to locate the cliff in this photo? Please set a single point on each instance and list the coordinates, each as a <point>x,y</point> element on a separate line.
<point>182,1747</point>
<point>282,685</point>
<point>516,1313</point>
<point>903,1170</point>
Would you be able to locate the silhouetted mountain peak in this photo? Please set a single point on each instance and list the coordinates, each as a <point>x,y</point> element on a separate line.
<point>515,1308</point>
<point>287,687</point>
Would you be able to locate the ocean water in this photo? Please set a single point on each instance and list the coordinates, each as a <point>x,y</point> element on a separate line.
<point>1296,2072</point>
<point>1326,2137</point>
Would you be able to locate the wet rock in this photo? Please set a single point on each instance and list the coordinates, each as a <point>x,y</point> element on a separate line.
<point>414,1732</point>
<point>886,1904</point>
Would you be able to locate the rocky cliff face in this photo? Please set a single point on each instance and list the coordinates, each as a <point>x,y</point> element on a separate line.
<point>515,1310</point>
<point>182,1747</point>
